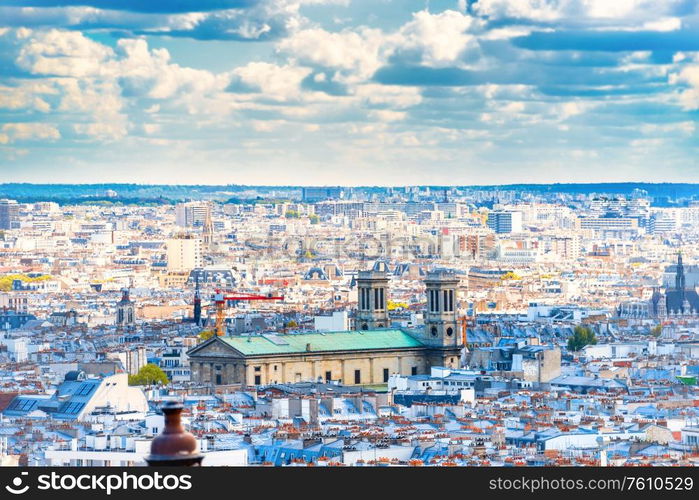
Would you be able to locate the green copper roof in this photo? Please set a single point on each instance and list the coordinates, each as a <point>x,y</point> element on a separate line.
<point>320,342</point>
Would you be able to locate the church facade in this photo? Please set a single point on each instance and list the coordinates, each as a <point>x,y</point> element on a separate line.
<point>677,300</point>
<point>367,355</point>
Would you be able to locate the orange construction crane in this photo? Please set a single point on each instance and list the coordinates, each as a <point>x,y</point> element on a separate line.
<point>466,322</point>
<point>222,298</point>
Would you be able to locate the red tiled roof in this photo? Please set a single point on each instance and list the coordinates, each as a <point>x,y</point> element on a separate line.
<point>6,398</point>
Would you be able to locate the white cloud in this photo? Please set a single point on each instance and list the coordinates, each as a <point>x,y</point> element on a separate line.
<point>280,83</point>
<point>103,130</point>
<point>63,53</point>
<point>359,52</point>
<point>688,76</point>
<point>663,24</point>
<point>387,115</point>
<point>27,95</point>
<point>441,39</point>
<point>29,130</point>
<point>394,96</point>
<point>577,11</point>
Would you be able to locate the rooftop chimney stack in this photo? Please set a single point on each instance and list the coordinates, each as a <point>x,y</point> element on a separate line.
<point>174,446</point>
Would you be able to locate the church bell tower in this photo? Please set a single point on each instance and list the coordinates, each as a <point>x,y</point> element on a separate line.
<point>126,315</point>
<point>372,290</point>
<point>442,334</point>
<point>441,322</point>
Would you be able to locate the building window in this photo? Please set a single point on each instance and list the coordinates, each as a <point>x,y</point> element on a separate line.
<point>413,370</point>
<point>275,368</point>
<point>328,376</point>
<point>450,332</point>
<point>258,379</point>
<point>385,374</point>
<point>257,368</point>
<point>218,379</point>
<point>365,326</point>
<point>433,331</point>
<point>357,376</point>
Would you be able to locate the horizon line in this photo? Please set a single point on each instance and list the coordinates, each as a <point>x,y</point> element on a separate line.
<point>609,183</point>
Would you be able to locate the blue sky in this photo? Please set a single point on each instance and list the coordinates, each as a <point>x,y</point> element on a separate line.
<point>389,92</point>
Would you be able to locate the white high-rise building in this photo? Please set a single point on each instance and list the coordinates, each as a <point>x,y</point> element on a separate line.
<point>505,221</point>
<point>192,213</point>
<point>184,253</point>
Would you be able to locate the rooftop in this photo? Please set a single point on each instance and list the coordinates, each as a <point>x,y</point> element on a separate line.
<point>320,342</point>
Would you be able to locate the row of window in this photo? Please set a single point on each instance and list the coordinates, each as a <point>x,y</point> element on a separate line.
<point>328,376</point>
<point>379,299</point>
<point>447,297</point>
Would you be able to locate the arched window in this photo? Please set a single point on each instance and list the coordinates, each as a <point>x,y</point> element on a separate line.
<point>450,332</point>
<point>365,326</point>
<point>433,331</point>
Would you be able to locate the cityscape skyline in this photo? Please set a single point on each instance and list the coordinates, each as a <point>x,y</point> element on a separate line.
<point>349,233</point>
<point>332,91</point>
<point>549,326</point>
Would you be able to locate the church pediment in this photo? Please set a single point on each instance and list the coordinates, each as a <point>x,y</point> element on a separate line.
<point>214,347</point>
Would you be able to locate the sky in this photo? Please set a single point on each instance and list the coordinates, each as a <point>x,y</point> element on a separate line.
<point>349,92</point>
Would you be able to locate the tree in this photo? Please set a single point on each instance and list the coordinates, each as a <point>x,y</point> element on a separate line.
<point>150,374</point>
<point>206,335</point>
<point>511,276</point>
<point>656,331</point>
<point>392,306</point>
<point>582,336</point>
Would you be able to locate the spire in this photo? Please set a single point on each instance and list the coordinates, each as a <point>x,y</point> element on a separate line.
<point>208,229</point>
<point>197,301</point>
<point>679,277</point>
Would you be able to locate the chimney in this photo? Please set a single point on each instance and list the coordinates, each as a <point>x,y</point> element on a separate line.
<point>174,446</point>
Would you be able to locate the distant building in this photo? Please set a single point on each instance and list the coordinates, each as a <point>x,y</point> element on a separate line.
<point>11,319</point>
<point>135,360</point>
<point>608,223</point>
<point>184,253</point>
<point>64,318</point>
<point>505,222</point>
<point>681,299</point>
<point>336,322</point>
<point>313,194</point>
<point>532,363</point>
<point>79,395</point>
<point>9,214</point>
<point>368,355</point>
<point>662,223</point>
<point>126,312</point>
<point>192,213</point>
<point>678,299</point>
<point>219,276</point>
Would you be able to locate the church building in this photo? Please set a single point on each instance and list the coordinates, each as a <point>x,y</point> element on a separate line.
<point>367,355</point>
<point>125,310</point>
<point>677,300</point>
